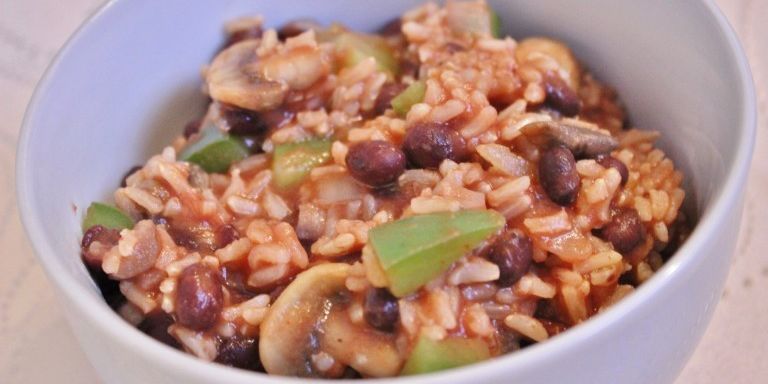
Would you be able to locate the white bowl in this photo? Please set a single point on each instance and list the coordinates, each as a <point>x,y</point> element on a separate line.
<point>128,81</point>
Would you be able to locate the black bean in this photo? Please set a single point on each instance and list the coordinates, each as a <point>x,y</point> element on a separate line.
<point>453,47</point>
<point>156,324</point>
<point>381,310</point>
<point>547,309</point>
<point>297,27</point>
<point>350,373</point>
<point>391,28</point>
<point>553,327</point>
<point>628,278</point>
<point>525,342</point>
<point>225,235</point>
<point>387,93</point>
<point>241,352</point>
<point>625,230</point>
<point>513,253</point>
<point>427,144</point>
<point>508,340</point>
<point>99,233</point>
<point>183,237</point>
<point>252,144</point>
<point>197,238</point>
<point>192,127</point>
<point>678,233</point>
<point>235,280</point>
<point>276,118</point>
<point>609,161</point>
<point>239,35</point>
<point>375,163</point>
<point>110,289</point>
<point>107,237</point>
<point>558,175</point>
<point>409,68</point>
<point>131,171</point>
<point>199,297</point>
<point>560,96</point>
<point>242,121</point>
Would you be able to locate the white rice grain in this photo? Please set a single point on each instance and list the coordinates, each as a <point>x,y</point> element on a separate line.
<point>526,326</point>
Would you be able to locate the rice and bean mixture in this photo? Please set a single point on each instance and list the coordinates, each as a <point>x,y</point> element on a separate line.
<point>369,205</point>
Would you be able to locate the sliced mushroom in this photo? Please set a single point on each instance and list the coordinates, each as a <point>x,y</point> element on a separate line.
<point>238,76</point>
<point>289,330</point>
<point>533,48</point>
<point>582,141</point>
<point>310,317</point>
<point>299,68</point>
<point>235,78</point>
<point>367,351</point>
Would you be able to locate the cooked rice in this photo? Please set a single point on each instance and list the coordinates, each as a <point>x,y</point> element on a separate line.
<point>474,85</point>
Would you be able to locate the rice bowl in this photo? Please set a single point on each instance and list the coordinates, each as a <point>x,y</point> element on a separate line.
<point>586,325</point>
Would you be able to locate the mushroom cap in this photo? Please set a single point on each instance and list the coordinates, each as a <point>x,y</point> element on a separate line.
<point>311,316</point>
<point>235,78</point>
<point>533,49</point>
<point>288,330</point>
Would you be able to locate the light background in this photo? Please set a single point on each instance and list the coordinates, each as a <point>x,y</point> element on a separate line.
<point>36,346</point>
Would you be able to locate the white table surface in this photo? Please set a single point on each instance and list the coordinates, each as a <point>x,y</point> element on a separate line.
<point>36,346</point>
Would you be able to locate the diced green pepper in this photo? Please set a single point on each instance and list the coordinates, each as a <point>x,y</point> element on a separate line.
<point>431,356</point>
<point>214,151</point>
<point>495,24</point>
<point>417,249</point>
<point>107,216</point>
<point>356,47</point>
<point>412,95</point>
<point>293,162</point>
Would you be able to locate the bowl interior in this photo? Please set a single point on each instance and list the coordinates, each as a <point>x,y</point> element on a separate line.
<point>130,80</point>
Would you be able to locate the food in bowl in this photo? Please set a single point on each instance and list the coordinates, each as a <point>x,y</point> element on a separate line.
<point>374,205</point>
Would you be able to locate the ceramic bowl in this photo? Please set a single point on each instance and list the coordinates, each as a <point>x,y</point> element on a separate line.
<point>129,79</point>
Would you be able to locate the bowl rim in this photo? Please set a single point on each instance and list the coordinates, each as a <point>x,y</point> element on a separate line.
<point>131,338</point>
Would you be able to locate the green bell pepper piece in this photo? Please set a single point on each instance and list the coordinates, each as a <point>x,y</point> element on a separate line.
<point>430,356</point>
<point>292,162</point>
<point>412,95</point>
<point>107,216</point>
<point>495,24</point>
<point>214,151</point>
<point>415,250</point>
<point>356,47</point>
